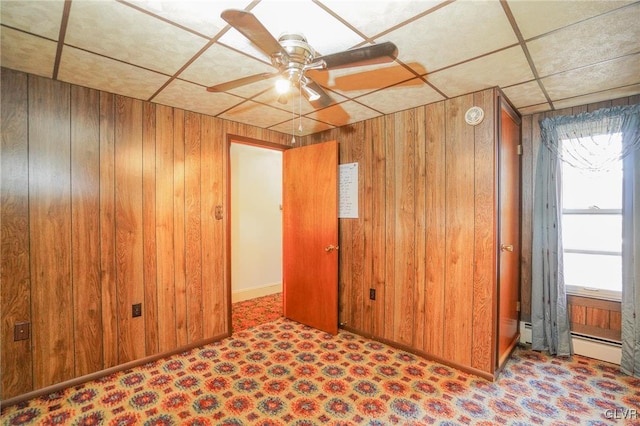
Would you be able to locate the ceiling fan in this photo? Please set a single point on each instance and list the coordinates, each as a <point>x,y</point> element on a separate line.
<point>293,57</point>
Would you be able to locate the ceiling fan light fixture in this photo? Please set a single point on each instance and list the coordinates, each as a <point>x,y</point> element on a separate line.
<point>283,85</point>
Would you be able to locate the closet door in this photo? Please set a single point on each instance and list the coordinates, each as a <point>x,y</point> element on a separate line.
<point>509,231</point>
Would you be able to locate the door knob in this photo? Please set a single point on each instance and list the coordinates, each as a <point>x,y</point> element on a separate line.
<point>330,248</point>
<point>504,247</point>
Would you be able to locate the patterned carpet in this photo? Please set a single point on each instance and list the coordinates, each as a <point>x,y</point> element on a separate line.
<point>252,312</point>
<point>283,373</point>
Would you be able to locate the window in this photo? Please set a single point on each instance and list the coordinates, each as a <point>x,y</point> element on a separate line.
<point>592,227</point>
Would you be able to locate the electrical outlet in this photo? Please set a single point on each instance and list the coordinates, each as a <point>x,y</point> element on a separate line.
<point>136,310</point>
<point>21,331</point>
<point>372,293</point>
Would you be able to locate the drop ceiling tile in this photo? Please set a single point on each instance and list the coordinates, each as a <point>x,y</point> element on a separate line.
<point>454,33</point>
<point>605,76</point>
<point>605,95</point>
<point>504,68</point>
<point>42,18</point>
<point>120,32</point>
<point>566,49</point>
<point>256,114</point>
<point>525,94</point>
<point>295,104</point>
<point>357,81</point>
<point>27,53</point>
<point>323,32</point>
<point>344,113</point>
<point>219,64</point>
<point>411,94</point>
<point>191,97</point>
<point>309,126</point>
<point>378,16</point>
<point>539,17</point>
<point>533,109</point>
<point>200,16</point>
<point>97,72</point>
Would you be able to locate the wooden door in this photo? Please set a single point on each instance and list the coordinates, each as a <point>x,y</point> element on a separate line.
<point>509,233</point>
<point>310,235</point>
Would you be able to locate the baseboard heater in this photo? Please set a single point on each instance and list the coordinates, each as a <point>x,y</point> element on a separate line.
<point>589,346</point>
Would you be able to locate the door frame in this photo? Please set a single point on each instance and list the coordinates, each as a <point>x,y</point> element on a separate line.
<point>227,210</point>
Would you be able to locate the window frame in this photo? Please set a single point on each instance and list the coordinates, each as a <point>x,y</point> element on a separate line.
<point>584,291</point>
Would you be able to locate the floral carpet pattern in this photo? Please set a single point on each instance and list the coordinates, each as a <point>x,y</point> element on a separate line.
<point>252,312</point>
<point>284,373</point>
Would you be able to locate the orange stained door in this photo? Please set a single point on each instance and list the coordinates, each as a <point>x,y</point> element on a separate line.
<point>310,235</point>
<point>509,221</point>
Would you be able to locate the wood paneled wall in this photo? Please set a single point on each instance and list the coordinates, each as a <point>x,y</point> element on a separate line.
<point>603,319</point>
<point>107,201</point>
<point>424,239</point>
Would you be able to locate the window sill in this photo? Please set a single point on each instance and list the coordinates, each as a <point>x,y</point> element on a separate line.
<point>614,296</point>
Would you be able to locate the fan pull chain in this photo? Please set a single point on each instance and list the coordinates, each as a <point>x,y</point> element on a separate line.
<point>293,123</point>
<point>300,108</point>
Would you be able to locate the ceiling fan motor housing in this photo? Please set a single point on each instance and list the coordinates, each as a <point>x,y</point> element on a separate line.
<point>300,54</point>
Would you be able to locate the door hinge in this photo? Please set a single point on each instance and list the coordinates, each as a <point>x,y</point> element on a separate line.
<point>519,149</point>
<point>517,306</point>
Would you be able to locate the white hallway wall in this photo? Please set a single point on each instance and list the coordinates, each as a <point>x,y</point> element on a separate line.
<point>256,221</point>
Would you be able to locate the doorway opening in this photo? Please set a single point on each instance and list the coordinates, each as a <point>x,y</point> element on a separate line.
<point>255,196</point>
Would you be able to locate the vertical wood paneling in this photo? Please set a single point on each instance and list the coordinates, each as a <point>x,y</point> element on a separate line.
<point>485,219</point>
<point>91,237</point>
<point>129,244</point>
<point>107,232</point>
<point>390,236</point>
<point>85,229</point>
<point>15,291</point>
<point>460,235</point>
<point>435,206</point>
<point>50,231</point>
<point>378,223</point>
<point>179,227</point>
<point>165,232</point>
<point>420,223</point>
<point>346,300</point>
<point>404,244</point>
<point>149,245</point>
<point>213,307</point>
<point>356,301</point>
<point>367,213</point>
<point>193,237</point>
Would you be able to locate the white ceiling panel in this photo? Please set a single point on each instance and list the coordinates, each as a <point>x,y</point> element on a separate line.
<point>539,17</point>
<point>454,34</point>
<point>256,114</point>
<point>97,72</point>
<point>41,18</point>
<point>193,97</point>
<point>219,64</point>
<point>564,49</point>
<point>372,18</point>
<point>27,53</point>
<point>596,78</point>
<point>410,94</point>
<point>126,34</point>
<point>503,68</point>
<point>200,16</point>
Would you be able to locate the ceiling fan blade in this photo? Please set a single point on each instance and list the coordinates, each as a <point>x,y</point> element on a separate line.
<point>250,27</point>
<point>223,87</point>
<point>367,55</point>
<point>323,100</point>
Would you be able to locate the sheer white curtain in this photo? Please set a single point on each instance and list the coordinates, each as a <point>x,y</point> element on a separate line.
<point>550,323</point>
